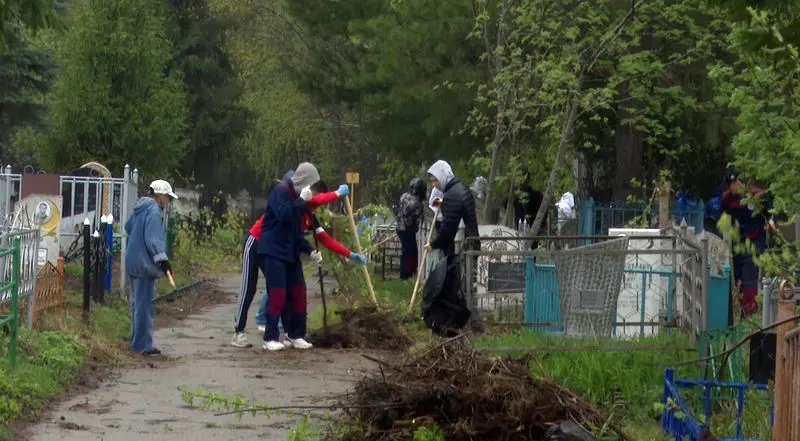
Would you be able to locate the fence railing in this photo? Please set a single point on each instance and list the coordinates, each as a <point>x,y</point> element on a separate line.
<point>621,287</point>
<point>678,419</point>
<point>595,218</point>
<point>787,370</point>
<point>10,284</point>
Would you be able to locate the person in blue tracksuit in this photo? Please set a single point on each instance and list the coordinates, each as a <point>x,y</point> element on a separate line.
<point>279,249</point>
<point>146,260</point>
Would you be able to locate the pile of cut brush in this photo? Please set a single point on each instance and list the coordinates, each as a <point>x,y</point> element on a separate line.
<point>363,327</point>
<point>466,396</point>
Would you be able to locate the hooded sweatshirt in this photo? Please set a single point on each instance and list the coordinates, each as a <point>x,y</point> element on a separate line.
<point>304,176</point>
<point>281,231</point>
<point>146,244</point>
<point>442,171</point>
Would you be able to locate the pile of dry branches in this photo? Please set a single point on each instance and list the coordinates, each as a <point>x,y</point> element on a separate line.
<point>466,395</point>
<point>363,327</point>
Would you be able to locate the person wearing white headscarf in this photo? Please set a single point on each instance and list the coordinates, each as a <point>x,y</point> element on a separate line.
<point>566,209</point>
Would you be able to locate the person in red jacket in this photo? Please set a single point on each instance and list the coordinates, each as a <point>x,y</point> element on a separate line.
<point>250,265</point>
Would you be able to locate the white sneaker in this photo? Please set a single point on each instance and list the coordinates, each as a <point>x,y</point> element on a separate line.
<point>299,343</point>
<point>262,328</point>
<point>240,340</point>
<point>272,346</point>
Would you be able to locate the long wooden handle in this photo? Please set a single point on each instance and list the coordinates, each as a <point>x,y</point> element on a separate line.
<point>171,280</point>
<point>422,262</point>
<point>364,269</point>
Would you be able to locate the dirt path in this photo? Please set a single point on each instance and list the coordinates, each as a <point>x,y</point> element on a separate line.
<point>144,404</point>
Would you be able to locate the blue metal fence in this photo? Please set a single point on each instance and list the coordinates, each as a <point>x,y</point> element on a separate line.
<point>595,218</point>
<point>542,308</point>
<point>677,419</point>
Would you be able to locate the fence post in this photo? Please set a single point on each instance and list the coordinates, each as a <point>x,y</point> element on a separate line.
<point>97,281</point>
<point>783,391</point>
<point>704,280</point>
<point>14,325</point>
<point>87,268</point>
<point>109,244</point>
<point>123,215</point>
<point>587,219</point>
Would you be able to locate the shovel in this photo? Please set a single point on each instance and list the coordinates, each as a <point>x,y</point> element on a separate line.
<point>322,292</point>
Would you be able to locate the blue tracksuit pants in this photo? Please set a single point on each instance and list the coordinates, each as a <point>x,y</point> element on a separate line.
<point>286,298</point>
<point>143,312</point>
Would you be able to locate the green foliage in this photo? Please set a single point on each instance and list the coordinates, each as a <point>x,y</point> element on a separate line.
<point>217,120</point>
<point>113,101</point>
<point>34,14</point>
<point>222,251</point>
<point>47,362</point>
<point>425,433</point>
<point>25,73</point>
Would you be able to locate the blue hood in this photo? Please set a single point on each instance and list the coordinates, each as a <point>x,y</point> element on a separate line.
<point>146,244</point>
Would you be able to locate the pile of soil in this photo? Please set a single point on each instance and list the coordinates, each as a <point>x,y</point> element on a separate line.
<point>468,396</point>
<point>363,327</point>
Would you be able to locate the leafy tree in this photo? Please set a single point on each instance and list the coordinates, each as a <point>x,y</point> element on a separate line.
<point>217,120</point>
<point>113,101</point>
<point>34,14</point>
<point>25,73</point>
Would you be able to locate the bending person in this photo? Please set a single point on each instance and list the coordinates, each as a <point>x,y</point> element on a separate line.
<point>310,224</point>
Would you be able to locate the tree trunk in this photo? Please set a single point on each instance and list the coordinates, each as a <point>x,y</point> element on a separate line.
<point>499,123</point>
<point>570,114</point>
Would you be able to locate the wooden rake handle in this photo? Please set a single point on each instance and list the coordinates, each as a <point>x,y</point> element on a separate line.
<point>364,269</point>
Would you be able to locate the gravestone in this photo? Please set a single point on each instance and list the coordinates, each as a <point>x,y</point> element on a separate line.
<point>506,277</point>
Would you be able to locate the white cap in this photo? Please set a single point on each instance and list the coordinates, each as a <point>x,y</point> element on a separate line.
<point>160,186</point>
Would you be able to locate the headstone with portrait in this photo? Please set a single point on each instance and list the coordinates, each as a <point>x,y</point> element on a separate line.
<point>44,211</point>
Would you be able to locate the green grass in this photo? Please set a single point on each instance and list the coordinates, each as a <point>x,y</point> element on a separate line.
<point>628,383</point>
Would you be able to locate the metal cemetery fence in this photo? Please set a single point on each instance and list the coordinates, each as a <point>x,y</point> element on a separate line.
<point>595,218</point>
<point>10,286</point>
<point>621,287</point>
<point>83,197</point>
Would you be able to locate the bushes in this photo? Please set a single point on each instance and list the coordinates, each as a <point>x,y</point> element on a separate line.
<point>196,253</point>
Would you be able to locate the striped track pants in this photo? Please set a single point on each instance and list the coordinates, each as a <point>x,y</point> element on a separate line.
<point>247,289</point>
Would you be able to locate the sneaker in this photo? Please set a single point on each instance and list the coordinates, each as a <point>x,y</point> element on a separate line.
<point>152,351</point>
<point>298,343</point>
<point>240,340</point>
<point>272,346</point>
<point>262,328</point>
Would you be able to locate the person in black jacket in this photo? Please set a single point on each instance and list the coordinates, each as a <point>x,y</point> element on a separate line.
<point>457,204</point>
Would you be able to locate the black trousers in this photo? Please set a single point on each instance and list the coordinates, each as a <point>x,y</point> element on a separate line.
<point>409,254</point>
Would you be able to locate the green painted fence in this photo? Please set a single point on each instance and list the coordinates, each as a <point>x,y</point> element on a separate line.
<point>10,288</point>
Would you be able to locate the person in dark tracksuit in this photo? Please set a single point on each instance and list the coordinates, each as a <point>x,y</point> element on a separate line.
<point>409,216</point>
<point>279,249</point>
<point>753,223</point>
<point>146,260</point>
<point>250,263</point>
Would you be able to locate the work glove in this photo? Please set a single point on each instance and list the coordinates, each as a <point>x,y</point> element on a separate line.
<point>355,257</point>
<point>316,256</point>
<point>165,267</point>
<point>343,190</point>
<point>305,194</point>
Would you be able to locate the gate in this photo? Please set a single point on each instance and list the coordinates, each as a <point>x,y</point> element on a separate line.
<point>83,198</point>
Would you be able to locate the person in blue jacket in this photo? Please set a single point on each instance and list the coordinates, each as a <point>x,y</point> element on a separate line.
<point>279,249</point>
<point>146,260</point>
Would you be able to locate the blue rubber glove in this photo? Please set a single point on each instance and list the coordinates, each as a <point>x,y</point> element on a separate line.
<point>343,190</point>
<point>355,257</point>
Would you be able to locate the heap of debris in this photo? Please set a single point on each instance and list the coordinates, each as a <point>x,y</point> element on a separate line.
<point>363,327</point>
<point>463,396</point>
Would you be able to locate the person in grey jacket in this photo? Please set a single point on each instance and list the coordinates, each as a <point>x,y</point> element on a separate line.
<point>146,260</point>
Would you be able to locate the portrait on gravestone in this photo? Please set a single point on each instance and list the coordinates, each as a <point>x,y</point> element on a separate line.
<point>43,212</point>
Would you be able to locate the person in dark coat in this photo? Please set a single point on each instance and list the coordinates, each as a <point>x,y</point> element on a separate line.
<point>409,216</point>
<point>753,221</point>
<point>457,204</point>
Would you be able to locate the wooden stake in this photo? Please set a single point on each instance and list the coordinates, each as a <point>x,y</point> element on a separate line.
<point>364,269</point>
<point>171,280</point>
<point>422,262</point>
